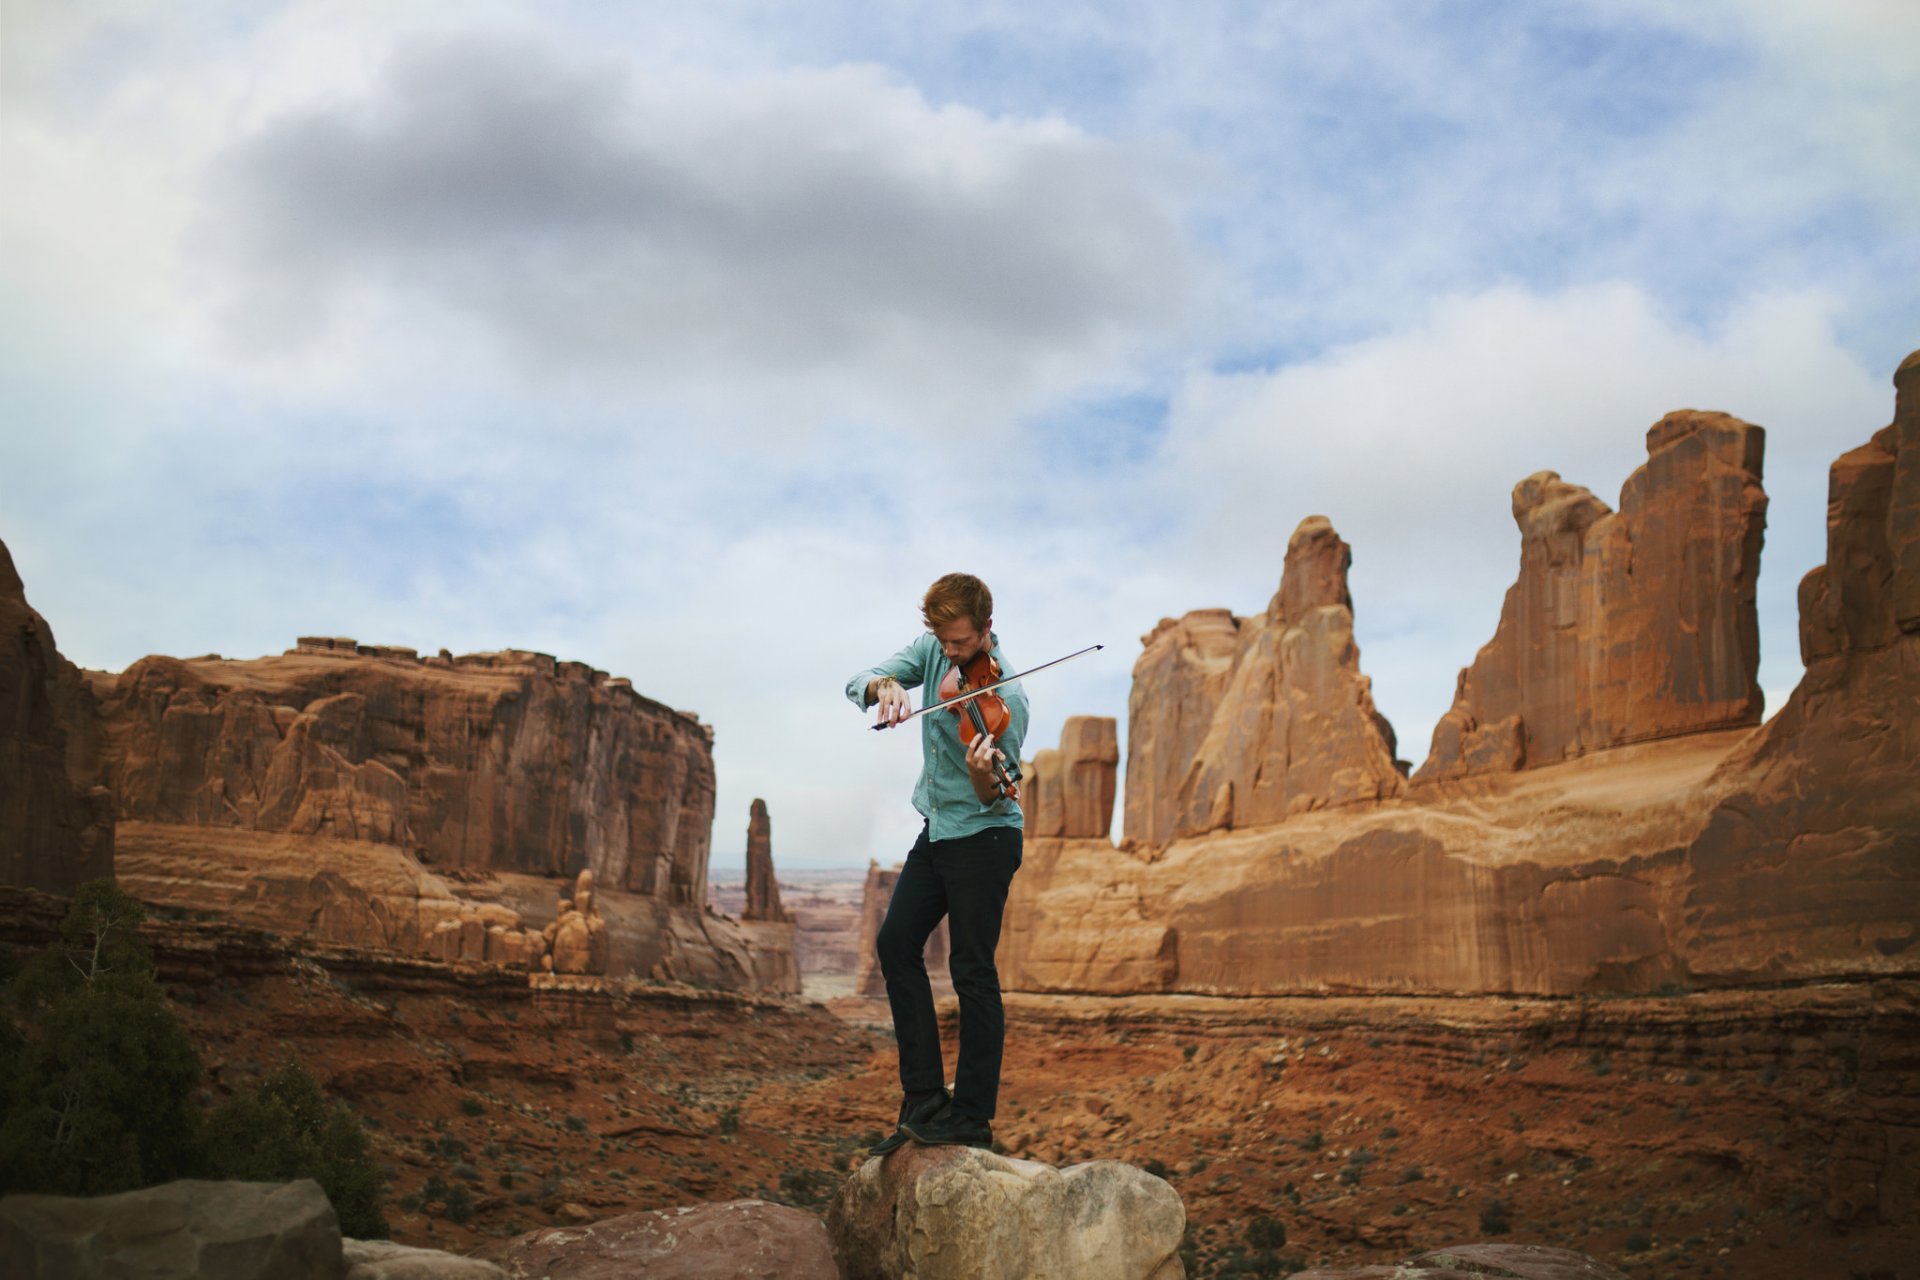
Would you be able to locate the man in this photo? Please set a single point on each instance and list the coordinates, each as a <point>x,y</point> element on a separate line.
<point>959,868</point>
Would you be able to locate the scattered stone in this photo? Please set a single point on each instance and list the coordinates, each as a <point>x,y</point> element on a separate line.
<point>957,1213</point>
<point>738,1239</point>
<point>203,1230</point>
<point>384,1260</point>
<point>1490,1261</point>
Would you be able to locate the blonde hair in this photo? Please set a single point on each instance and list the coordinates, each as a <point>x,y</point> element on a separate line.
<point>957,595</point>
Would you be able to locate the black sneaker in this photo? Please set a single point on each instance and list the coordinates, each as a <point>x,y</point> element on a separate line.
<point>949,1128</point>
<point>924,1111</point>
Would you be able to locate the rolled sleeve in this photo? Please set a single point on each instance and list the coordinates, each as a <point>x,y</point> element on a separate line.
<point>909,667</point>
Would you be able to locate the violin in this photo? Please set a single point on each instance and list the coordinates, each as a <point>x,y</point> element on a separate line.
<point>982,713</point>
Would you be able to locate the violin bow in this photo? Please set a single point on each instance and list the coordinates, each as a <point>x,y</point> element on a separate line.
<point>989,688</point>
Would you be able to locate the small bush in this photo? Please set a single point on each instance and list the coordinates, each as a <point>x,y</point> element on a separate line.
<point>472,1107</point>
<point>285,1130</point>
<point>730,1120</point>
<point>1313,1141</point>
<point>1155,1167</point>
<point>1639,1242</point>
<point>1599,1063</point>
<point>1266,1233</point>
<point>1493,1218</point>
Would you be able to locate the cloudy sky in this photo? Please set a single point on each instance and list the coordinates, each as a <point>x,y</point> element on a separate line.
<point>694,341</point>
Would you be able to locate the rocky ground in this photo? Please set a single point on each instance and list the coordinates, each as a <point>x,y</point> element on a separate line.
<point>1757,1134</point>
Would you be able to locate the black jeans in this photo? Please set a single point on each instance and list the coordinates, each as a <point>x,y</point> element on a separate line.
<point>966,881</point>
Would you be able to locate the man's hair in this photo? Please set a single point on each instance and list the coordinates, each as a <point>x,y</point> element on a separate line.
<point>957,595</point>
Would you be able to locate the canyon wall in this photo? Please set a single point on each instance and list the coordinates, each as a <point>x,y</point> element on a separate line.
<point>1622,627</point>
<point>1616,825</point>
<point>359,796</point>
<point>56,821</point>
<point>496,761</point>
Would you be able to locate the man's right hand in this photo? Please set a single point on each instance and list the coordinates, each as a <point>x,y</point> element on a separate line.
<point>891,702</point>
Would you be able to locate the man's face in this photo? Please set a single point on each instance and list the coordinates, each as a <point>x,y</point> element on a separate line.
<point>960,640</point>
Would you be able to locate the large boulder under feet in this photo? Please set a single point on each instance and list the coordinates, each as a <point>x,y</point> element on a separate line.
<point>956,1213</point>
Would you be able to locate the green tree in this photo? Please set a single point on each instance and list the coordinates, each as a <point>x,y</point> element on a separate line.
<point>96,1074</point>
<point>285,1129</point>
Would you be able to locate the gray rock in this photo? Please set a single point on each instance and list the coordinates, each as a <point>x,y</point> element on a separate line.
<point>176,1231</point>
<point>1488,1261</point>
<point>956,1213</point>
<point>384,1260</point>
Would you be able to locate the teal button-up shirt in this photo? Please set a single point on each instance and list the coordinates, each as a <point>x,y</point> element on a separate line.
<point>944,794</point>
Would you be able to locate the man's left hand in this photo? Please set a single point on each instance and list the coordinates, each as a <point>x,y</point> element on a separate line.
<point>982,755</point>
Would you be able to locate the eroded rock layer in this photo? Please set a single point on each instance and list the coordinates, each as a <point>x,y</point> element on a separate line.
<point>1622,627</point>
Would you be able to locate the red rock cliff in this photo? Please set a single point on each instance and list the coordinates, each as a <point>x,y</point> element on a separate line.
<point>1069,790</point>
<point>1622,627</point>
<point>500,761</point>
<point>1696,856</point>
<point>56,822</point>
<point>763,890</point>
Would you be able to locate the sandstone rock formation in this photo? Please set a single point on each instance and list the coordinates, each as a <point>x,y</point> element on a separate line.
<point>1627,627</point>
<point>955,1213</point>
<point>868,980</point>
<point>56,821</point>
<point>1506,1261</point>
<point>742,1239</point>
<point>1280,721</point>
<point>763,890</point>
<point>501,761</point>
<point>1069,791</point>
<point>576,941</point>
<point>824,907</point>
<point>1806,863</point>
<point>1680,855</point>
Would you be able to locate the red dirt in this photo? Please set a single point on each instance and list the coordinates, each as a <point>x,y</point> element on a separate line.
<point>1759,1134</point>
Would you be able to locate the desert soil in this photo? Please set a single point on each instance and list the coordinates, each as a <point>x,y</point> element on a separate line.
<point>1757,1134</point>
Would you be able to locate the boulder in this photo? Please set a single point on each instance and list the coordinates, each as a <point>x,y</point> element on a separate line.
<point>384,1260</point>
<point>738,1239</point>
<point>956,1213</point>
<point>188,1230</point>
<point>1494,1261</point>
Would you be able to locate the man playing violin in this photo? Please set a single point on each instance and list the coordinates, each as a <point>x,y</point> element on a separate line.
<point>960,868</point>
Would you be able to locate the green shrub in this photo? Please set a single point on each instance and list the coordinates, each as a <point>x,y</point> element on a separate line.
<point>96,1073</point>
<point>1266,1233</point>
<point>284,1130</point>
<point>1493,1218</point>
